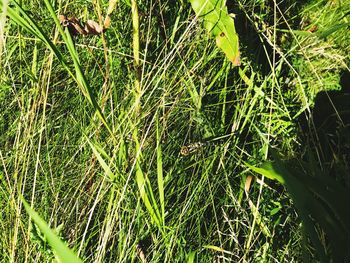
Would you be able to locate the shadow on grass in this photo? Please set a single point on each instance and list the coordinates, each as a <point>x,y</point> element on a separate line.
<point>253,44</point>
<point>318,180</point>
<point>328,129</point>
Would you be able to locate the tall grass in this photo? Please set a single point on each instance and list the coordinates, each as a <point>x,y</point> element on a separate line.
<point>92,129</point>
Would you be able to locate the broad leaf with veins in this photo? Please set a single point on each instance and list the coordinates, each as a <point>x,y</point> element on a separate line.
<point>220,24</point>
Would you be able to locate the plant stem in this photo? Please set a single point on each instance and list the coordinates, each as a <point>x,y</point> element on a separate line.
<point>136,51</point>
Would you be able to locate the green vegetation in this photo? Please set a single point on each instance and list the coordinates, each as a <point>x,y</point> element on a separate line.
<point>158,141</point>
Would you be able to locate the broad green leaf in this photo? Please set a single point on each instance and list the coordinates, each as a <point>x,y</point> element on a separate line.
<point>217,21</point>
<point>268,171</point>
<point>63,253</point>
<point>191,257</point>
<point>304,201</point>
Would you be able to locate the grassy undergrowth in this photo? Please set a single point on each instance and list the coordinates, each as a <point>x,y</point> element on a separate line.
<point>94,144</point>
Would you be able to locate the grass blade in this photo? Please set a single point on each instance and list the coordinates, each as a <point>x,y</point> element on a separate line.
<point>80,77</point>
<point>64,254</point>
<point>142,186</point>
<point>191,256</point>
<point>104,165</point>
<point>160,178</point>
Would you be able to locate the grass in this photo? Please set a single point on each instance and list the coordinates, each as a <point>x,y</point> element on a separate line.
<point>92,129</point>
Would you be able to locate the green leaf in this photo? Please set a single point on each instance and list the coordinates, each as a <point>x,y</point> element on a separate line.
<point>217,21</point>
<point>63,253</point>
<point>303,199</point>
<point>191,257</point>
<point>268,171</point>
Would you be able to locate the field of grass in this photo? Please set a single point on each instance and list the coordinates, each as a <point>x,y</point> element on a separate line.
<point>143,143</point>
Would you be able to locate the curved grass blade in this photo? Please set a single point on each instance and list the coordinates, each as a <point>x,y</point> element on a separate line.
<point>97,152</point>
<point>191,257</point>
<point>80,77</point>
<point>146,194</point>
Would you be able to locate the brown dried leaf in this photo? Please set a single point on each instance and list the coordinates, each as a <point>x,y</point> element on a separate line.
<point>62,18</point>
<point>107,22</point>
<point>248,183</point>
<point>93,28</point>
<point>141,253</point>
<point>72,24</point>
<point>75,28</point>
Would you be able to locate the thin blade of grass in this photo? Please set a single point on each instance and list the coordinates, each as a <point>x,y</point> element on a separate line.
<point>142,185</point>
<point>104,165</point>
<point>333,29</point>
<point>215,248</point>
<point>160,178</point>
<point>29,24</point>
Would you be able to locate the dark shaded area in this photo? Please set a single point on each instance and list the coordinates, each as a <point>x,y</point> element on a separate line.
<point>325,133</point>
<point>328,127</point>
<point>253,46</point>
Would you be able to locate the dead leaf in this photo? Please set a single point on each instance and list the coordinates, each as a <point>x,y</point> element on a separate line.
<point>248,182</point>
<point>107,22</point>
<point>141,253</point>
<point>75,27</point>
<point>313,29</point>
<point>236,60</point>
<point>93,28</point>
<point>72,24</point>
<point>62,18</point>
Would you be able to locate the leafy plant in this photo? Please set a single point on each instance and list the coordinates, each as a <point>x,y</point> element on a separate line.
<point>218,21</point>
